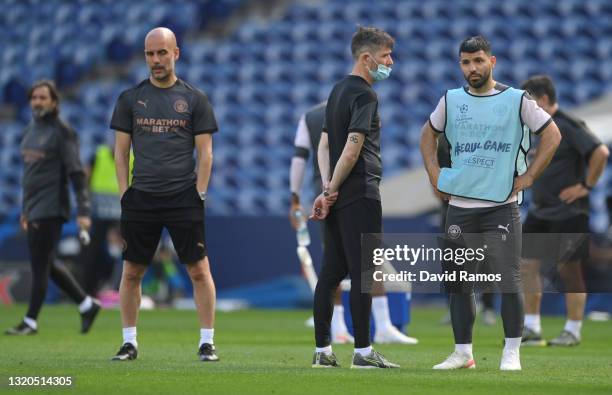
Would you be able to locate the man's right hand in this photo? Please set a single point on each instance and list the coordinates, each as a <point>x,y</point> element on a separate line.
<point>23,221</point>
<point>320,208</point>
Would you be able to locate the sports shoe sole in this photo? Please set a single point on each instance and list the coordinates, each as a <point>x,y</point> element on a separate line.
<point>471,364</point>
<point>535,343</point>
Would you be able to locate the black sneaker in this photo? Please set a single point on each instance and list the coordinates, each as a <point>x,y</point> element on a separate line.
<point>208,353</point>
<point>532,338</point>
<point>127,352</point>
<point>323,360</point>
<point>371,361</point>
<point>22,329</point>
<point>88,317</point>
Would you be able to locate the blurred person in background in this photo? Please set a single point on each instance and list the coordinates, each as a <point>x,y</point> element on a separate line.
<point>97,260</point>
<point>50,153</point>
<point>560,205</point>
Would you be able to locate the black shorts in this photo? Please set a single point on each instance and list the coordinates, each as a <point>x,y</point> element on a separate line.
<point>560,241</point>
<point>144,215</point>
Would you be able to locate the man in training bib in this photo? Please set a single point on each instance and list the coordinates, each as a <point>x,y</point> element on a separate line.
<point>484,124</point>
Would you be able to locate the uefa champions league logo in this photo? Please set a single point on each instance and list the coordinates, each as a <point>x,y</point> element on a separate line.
<point>462,116</point>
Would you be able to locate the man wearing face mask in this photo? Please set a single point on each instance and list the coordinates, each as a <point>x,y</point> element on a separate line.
<point>50,154</point>
<point>484,126</point>
<point>351,170</point>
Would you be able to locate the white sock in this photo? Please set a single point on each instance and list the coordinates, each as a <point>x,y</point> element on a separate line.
<point>337,324</point>
<point>325,350</point>
<point>129,336</point>
<point>512,343</point>
<point>86,304</point>
<point>574,327</point>
<point>464,349</point>
<point>380,311</point>
<point>30,322</point>
<point>532,321</point>
<point>206,336</point>
<point>363,351</point>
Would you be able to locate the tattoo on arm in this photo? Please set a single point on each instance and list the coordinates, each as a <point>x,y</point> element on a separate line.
<point>354,139</point>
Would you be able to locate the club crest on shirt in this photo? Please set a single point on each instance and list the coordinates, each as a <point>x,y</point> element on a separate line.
<point>454,231</point>
<point>181,106</point>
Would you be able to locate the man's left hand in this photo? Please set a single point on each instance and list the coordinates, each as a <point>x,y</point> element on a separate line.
<point>522,182</point>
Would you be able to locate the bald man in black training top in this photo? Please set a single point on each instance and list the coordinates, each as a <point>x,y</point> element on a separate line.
<point>163,119</point>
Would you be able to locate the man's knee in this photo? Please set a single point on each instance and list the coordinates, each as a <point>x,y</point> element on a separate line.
<point>199,272</point>
<point>133,272</point>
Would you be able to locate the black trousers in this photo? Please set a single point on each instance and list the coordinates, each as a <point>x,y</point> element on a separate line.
<point>43,236</point>
<point>343,230</point>
<point>498,228</point>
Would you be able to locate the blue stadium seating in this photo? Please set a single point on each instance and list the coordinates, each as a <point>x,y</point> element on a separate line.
<point>262,76</point>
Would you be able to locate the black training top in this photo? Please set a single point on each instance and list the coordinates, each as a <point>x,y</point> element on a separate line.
<point>163,123</point>
<point>50,152</point>
<point>567,167</point>
<point>352,107</point>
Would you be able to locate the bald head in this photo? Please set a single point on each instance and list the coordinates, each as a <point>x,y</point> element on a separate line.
<point>161,35</point>
<point>161,53</point>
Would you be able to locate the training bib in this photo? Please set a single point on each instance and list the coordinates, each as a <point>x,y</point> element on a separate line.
<point>488,144</point>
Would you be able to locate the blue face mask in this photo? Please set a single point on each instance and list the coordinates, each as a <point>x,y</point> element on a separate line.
<point>382,72</point>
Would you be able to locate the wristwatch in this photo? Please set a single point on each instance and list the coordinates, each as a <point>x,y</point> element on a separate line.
<point>202,196</point>
<point>584,184</point>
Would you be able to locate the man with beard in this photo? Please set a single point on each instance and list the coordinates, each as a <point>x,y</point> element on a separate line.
<point>164,119</point>
<point>484,125</point>
<point>50,152</point>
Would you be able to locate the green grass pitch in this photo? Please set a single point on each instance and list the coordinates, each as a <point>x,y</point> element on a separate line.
<point>269,352</point>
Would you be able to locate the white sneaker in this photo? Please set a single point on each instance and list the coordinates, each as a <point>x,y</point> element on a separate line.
<point>511,360</point>
<point>391,334</point>
<point>342,337</point>
<point>457,360</point>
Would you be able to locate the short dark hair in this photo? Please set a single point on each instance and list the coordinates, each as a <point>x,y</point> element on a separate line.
<point>475,44</point>
<point>370,39</point>
<point>52,91</point>
<point>540,85</point>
